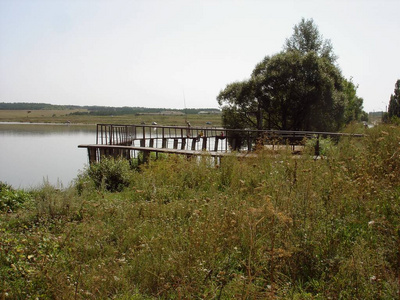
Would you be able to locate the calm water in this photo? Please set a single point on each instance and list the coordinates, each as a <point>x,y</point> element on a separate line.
<point>32,153</point>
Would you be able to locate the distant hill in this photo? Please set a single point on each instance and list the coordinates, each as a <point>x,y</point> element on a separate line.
<point>102,110</point>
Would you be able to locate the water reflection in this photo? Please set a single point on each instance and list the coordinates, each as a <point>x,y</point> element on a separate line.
<point>44,129</point>
<point>32,153</point>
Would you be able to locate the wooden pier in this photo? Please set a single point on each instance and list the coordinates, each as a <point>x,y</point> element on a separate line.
<point>126,140</point>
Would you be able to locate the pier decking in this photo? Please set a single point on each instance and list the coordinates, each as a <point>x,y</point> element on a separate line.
<point>126,140</point>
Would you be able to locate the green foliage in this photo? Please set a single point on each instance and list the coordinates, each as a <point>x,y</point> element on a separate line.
<point>110,174</point>
<point>11,199</point>
<point>325,146</point>
<point>271,226</point>
<point>306,38</point>
<point>364,116</point>
<point>394,103</point>
<point>300,88</point>
<point>354,106</point>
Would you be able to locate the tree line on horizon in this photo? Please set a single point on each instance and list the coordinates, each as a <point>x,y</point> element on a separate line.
<point>98,110</point>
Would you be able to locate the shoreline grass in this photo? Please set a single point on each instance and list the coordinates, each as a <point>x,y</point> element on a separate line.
<point>270,227</point>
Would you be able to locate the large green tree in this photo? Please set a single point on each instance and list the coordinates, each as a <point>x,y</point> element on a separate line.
<point>394,103</point>
<point>299,88</point>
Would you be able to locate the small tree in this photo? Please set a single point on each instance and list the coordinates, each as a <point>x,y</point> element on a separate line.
<point>394,103</point>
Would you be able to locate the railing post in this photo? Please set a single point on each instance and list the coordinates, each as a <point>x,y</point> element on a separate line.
<point>164,140</point>
<point>111,134</point>
<point>97,133</point>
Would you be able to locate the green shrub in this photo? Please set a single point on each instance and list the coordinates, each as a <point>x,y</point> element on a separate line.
<point>110,174</point>
<point>11,199</point>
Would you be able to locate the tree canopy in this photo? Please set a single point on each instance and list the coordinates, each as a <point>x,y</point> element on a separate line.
<point>299,88</point>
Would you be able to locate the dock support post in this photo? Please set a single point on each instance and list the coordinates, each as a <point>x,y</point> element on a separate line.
<point>146,156</point>
<point>216,144</point>
<point>92,153</point>
<point>183,146</point>
<point>194,144</point>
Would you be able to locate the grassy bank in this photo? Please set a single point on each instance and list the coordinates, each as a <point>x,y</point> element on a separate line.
<point>271,227</point>
<point>63,116</point>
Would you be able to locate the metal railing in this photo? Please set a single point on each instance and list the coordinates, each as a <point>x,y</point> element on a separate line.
<point>203,138</point>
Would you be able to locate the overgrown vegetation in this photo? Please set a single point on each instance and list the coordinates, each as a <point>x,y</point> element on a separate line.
<point>271,227</point>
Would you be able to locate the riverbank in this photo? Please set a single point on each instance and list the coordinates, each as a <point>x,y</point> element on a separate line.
<point>68,117</point>
<point>266,227</point>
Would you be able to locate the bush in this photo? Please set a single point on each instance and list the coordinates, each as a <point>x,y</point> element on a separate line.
<point>110,174</point>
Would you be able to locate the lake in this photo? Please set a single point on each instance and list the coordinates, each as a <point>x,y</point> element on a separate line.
<point>33,153</point>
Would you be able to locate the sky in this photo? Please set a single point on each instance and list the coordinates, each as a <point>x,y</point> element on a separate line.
<point>181,53</point>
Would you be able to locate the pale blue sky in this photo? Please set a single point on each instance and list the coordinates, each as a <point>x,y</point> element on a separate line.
<point>151,53</point>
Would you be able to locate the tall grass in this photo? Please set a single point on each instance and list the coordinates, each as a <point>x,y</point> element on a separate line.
<point>269,227</point>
